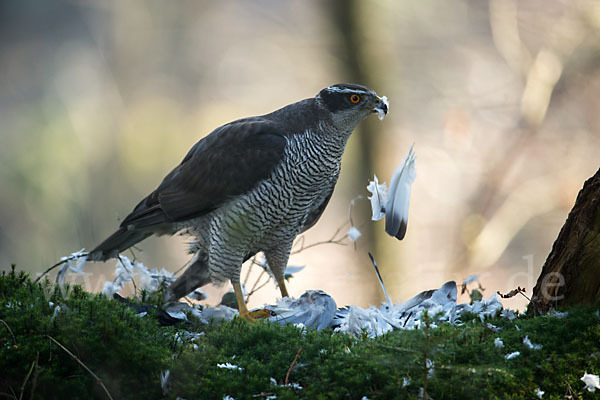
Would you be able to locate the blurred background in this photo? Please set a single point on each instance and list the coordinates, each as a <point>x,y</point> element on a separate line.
<point>99,100</point>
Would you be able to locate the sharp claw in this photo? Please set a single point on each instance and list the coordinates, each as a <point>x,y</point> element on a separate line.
<point>247,316</point>
<point>260,314</point>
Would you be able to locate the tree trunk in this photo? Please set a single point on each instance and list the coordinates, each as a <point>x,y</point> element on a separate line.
<point>571,274</point>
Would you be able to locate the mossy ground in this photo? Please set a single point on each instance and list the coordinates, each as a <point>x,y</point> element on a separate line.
<point>128,353</point>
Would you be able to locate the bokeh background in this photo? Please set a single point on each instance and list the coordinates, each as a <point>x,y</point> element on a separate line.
<point>100,99</point>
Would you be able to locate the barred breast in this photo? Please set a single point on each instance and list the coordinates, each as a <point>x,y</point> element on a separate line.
<point>274,212</point>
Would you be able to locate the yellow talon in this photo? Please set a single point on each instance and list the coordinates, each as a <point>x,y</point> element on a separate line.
<point>239,296</point>
<point>260,314</point>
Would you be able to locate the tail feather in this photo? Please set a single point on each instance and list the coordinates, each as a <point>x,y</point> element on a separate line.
<point>119,241</point>
<point>195,276</point>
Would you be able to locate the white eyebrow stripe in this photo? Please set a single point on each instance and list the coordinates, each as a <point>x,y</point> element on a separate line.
<point>346,90</point>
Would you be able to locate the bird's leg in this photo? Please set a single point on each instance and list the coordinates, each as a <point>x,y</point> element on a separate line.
<point>282,288</point>
<point>239,296</point>
<point>277,259</point>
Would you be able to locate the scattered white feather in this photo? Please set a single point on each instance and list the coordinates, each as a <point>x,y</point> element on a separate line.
<point>109,289</point>
<point>405,381</point>
<point>314,309</point>
<point>293,385</point>
<point>359,320</point>
<point>557,314</point>
<point>294,269</point>
<point>396,208</point>
<point>498,343</point>
<point>509,314</point>
<point>164,381</point>
<point>380,112</point>
<point>353,234</point>
<point>228,397</point>
<point>379,197</point>
<point>532,346</point>
<point>126,271</point>
<point>471,279</point>
<point>57,310</point>
<point>539,392</point>
<point>430,365</point>
<point>230,366</point>
<point>592,382</point>
<point>394,203</point>
<point>219,313</point>
<point>487,308</point>
<point>493,327</point>
<point>512,355</point>
<point>301,327</point>
<point>74,263</point>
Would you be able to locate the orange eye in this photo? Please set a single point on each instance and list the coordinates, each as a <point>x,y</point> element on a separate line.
<point>355,98</point>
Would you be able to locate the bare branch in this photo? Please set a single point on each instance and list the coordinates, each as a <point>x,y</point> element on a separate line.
<point>130,274</point>
<point>98,380</point>
<point>10,330</point>
<point>513,293</point>
<point>287,376</point>
<point>254,287</point>
<point>61,262</point>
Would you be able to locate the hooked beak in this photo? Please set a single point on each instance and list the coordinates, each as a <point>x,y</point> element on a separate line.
<point>382,107</point>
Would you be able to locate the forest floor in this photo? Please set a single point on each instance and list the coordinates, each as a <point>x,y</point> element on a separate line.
<point>68,344</point>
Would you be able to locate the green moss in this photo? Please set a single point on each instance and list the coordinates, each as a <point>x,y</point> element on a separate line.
<point>128,353</point>
<point>121,348</point>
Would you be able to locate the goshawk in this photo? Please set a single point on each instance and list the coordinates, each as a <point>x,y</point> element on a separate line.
<point>251,185</point>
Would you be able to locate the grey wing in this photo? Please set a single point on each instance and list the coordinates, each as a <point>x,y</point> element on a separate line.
<point>227,163</point>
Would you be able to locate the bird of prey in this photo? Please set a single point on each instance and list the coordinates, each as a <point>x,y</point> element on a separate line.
<point>250,186</point>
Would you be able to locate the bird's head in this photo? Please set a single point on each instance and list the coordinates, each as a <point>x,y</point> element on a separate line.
<point>349,104</point>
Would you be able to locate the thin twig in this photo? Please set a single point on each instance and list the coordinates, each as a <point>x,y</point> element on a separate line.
<point>333,240</point>
<point>10,330</point>
<point>254,287</point>
<point>133,255</point>
<point>98,380</point>
<point>27,378</point>
<point>513,293</point>
<point>130,274</point>
<point>287,376</point>
<point>350,208</point>
<point>61,262</point>
<point>10,396</point>
<point>339,241</point>
<point>183,266</point>
<point>265,283</point>
<point>35,375</point>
